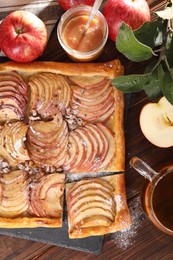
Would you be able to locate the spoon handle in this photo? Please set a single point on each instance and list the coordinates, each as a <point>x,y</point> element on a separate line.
<point>143,168</point>
<point>94,10</point>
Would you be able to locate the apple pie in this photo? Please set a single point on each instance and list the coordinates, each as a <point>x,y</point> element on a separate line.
<point>58,120</point>
<point>97,206</point>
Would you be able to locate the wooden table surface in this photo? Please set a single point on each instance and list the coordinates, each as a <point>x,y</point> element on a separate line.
<point>143,240</point>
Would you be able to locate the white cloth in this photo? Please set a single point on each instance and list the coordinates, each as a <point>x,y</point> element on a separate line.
<point>48,11</point>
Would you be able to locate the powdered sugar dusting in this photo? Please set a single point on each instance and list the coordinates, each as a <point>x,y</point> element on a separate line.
<point>118,201</point>
<point>125,238</point>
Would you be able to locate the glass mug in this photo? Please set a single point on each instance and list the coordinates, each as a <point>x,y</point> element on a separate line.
<point>158,197</point>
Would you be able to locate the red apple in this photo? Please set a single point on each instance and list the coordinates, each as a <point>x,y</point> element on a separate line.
<point>23,36</point>
<point>132,12</point>
<point>67,4</point>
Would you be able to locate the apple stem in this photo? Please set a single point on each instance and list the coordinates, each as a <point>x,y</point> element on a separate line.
<point>163,49</point>
<point>19,30</point>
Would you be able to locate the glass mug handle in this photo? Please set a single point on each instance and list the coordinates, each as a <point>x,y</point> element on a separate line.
<point>143,168</point>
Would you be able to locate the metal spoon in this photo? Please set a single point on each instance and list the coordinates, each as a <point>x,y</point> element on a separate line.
<point>94,10</point>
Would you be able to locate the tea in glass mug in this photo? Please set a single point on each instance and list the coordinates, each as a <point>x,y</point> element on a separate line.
<point>158,197</point>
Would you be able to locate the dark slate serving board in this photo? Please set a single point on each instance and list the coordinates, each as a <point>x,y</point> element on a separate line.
<point>59,236</point>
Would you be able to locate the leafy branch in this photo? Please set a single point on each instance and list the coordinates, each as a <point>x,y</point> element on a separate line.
<point>152,39</point>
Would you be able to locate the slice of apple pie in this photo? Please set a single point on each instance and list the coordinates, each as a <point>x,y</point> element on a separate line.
<point>97,206</point>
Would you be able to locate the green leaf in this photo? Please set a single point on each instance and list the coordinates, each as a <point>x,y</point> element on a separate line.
<point>132,83</point>
<point>167,87</point>
<point>151,33</point>
<point>149,68</point>
<point>153,89</point>
<point>127,44</point>
<point>169,48</point>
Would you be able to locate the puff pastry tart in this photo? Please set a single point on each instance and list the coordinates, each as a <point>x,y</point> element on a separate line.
<point>58,119</point>
<point>97,206</point>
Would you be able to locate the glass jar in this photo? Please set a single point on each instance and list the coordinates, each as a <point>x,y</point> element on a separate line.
<point>79,44</point>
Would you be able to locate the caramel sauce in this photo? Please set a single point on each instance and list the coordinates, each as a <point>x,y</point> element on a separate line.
<point>75,38</point>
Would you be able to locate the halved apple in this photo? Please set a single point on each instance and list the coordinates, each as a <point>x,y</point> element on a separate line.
<point>156,122</point>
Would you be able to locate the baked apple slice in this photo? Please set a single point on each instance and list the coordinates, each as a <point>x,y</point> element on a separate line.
<point>97,181</point>
<point>88,82</point>
<point>97,184</point>
<point>13,78</point>
<point>112,146</point>
<point>74,146</point>
<point>72,153</point>
<point>90,148</point>
<point>86,140</point>
<point>97,113</point>
<point>103,146</point>
<point>46,197</point>
<point>13,96</point>
<point>85,202</point>
<point>49,94</point>
<point>94,105</point>
<point>89,95</point>
<point>47,142</point>
<point>12,143</point>
<point>15,193</point>
<point>95,221</point>
<point>91,212</point>
<point>62,91</point>
<point>88,200</point>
